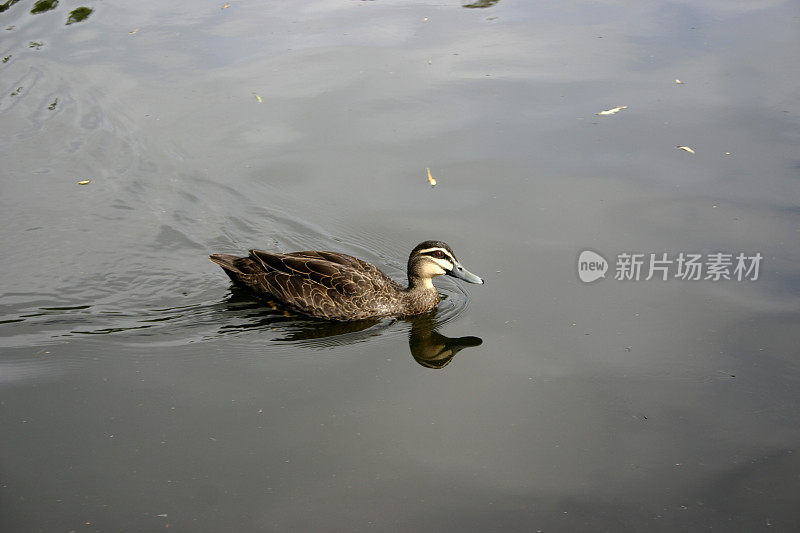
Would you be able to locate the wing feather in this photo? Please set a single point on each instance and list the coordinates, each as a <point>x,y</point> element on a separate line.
<point>322,284</point>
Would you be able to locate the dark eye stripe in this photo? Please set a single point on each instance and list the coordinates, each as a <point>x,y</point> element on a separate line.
<point>439,254</point>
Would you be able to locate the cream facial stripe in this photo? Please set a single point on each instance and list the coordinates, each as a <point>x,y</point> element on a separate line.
<point>449,260</point>
<point>429,250</point>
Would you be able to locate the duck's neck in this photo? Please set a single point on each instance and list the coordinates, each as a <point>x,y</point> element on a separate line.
<point>420,296</point>
<point>416,284</point>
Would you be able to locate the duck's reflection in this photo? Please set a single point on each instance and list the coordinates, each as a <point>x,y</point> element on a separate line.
<point>428,347</point>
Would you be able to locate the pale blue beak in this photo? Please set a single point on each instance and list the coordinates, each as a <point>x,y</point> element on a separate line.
<point>462,273</point>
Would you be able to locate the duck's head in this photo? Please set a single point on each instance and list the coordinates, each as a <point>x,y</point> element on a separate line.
<point>435,258</point>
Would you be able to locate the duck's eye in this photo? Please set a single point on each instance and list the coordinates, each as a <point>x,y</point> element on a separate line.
<point>438,254</point>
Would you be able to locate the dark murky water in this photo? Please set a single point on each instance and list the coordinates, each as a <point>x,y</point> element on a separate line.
<point>137,391</point>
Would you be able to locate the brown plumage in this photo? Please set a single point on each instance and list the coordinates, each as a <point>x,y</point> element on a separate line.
<point>337,286</point>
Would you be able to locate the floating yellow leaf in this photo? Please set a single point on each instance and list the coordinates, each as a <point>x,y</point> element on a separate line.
<point>612,111</point>
<point>258,98</point>
<point>430,178</point>
<point>226,6</point>
<point>84,182</point>
<point>133,31</point>
<point>686,148</point>
<point>679,82</point>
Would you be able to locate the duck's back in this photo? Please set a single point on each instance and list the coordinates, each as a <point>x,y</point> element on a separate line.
<point>322,284</point>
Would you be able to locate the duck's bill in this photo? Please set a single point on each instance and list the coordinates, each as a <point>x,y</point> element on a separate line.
<point>462,273</point>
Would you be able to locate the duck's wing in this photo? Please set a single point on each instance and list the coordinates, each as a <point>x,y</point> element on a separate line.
<point>317,285</point>
<point>340,259</point>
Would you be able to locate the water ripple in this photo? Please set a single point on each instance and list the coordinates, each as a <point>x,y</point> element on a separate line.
<point>119,310</point>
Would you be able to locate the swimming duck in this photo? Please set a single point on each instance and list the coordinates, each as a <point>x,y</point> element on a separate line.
<point>338,286</point>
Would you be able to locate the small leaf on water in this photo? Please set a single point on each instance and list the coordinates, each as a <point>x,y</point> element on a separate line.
<point>430,178</point>
<point>258,98</point>
<point>613,110</point>
<point>84,182</point>
<point>686,148</point>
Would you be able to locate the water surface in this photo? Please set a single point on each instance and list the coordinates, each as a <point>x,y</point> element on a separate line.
<point>139,391</point>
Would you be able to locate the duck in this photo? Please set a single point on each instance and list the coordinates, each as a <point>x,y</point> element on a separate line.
<point>340,287</point>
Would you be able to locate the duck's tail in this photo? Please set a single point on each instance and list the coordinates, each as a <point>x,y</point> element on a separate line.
<point>228,264</point>
<point>224,260</point>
